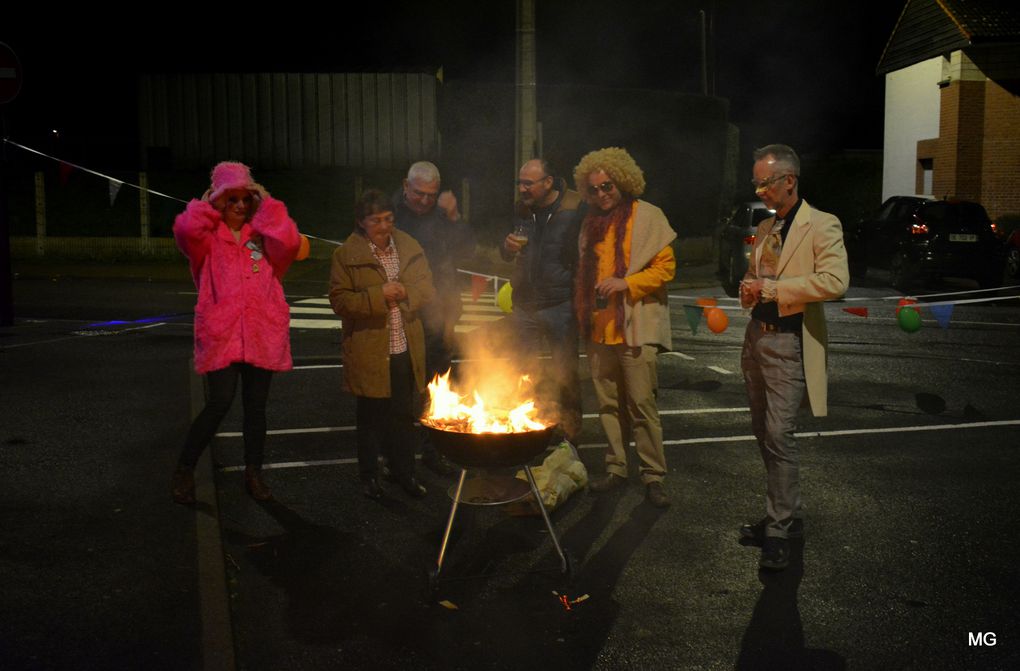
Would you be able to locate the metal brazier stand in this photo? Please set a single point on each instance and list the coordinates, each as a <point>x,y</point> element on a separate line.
<point>492,451</point>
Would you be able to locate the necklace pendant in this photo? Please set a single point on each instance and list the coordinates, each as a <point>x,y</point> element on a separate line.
<point>254,267</point>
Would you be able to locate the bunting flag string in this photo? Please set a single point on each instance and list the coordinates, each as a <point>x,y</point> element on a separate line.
<point>907,313</point>
<point>66,167</point>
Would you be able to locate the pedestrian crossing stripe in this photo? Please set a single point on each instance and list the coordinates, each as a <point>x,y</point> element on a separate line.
<point>316,313</point>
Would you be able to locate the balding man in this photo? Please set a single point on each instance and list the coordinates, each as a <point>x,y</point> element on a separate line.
<point>543,285</point>
<point>431,217</point>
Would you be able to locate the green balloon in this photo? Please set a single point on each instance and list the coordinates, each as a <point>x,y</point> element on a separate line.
<point>909,319</point>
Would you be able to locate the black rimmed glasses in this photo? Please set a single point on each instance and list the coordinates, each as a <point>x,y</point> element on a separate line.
<point>766,183</point>
<point>604,187</point>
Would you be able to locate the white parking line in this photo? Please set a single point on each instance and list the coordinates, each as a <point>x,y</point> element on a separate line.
<point>302,310</point>
<point>720,370</point>
<point>707,440</point>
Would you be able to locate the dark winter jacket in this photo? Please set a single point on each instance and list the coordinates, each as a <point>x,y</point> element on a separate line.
<point>447,245</point>
<point>544,274</point>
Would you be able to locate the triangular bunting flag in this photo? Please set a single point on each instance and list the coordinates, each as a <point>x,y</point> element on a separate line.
<point>478,284</point>
<point>115,185</point>
<point>693,313</point>
<point>64,170</point>
<point>942,313</point>
<point>860,312</point>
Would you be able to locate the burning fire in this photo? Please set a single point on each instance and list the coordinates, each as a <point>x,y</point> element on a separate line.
<point>447,411</point>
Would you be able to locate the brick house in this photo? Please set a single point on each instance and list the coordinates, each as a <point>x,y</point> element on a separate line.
<point>952,115</point>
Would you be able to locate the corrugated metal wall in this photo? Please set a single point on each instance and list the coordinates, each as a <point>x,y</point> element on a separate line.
<point>290,120</point>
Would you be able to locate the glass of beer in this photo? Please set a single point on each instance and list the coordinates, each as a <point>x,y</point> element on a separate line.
<point>520,235</point>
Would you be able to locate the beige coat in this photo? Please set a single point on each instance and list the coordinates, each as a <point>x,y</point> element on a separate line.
<point>355,292</point>
<point>646,321</point>
<point>812,269</point>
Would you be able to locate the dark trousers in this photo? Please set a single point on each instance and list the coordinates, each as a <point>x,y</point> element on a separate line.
<point>558,326</point>
<point>386,425</point>
<point>222,385</point>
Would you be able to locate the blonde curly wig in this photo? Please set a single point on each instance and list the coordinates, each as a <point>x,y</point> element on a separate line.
<point>617,163</point>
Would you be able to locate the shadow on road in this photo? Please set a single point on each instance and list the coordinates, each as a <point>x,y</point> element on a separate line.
<point>774,638</point>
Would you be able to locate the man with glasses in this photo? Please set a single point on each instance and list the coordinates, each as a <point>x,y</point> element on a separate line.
<point>544,247</point>
<point>626,260</point>
<point>431,217</point>
<point>798,261</point>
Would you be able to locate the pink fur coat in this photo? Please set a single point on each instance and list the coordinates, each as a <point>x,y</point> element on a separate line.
<point>241,314</point>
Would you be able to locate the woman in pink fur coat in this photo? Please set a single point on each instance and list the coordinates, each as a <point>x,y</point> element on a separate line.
<point>239,241</point>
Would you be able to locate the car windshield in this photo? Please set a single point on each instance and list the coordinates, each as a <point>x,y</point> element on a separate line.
<point>956,216</point>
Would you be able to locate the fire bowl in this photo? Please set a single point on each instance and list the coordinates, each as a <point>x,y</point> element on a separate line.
<point>489,450</point>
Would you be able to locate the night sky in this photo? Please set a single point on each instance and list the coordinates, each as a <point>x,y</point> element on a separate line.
<point>794,71</point>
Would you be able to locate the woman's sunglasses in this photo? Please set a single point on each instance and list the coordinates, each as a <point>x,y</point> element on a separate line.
<point>604,187</point>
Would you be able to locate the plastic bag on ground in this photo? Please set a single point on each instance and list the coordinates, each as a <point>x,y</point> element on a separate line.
<point>561,474</point>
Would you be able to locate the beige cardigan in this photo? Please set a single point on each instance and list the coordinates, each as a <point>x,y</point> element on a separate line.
<point>646,321</point>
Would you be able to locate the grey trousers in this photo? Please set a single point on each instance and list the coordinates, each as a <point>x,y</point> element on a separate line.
<point>773,369</point>
<point>626,385</point>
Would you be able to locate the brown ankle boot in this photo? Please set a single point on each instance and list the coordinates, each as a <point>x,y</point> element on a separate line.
<point>183,485</point>
<point>255,485</point>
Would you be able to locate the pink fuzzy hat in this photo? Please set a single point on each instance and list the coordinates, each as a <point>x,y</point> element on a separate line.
<point>230,175</point>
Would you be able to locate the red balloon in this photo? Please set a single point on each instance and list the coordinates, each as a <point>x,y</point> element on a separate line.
<point>717,320</point>
<point>905,301</point>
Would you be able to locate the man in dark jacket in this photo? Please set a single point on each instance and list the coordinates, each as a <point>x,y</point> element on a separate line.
<point>432,218</point>
<point>544,243</point>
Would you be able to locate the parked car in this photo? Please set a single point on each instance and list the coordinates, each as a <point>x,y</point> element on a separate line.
<point>736,240</point>
<point>921,239</point>
<point>1013,255</point>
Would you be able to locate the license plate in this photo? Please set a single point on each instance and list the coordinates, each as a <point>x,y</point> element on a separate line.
<point>962,237</point>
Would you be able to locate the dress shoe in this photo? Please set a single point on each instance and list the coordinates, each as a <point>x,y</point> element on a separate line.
<point>755,533</point>
<point>606,483</point>
<point>413,488</point>
<point>370,487</point>
<point>184,485</point>
<point>256,486</point>
<point>438,464</point>
<point>775,553</point>
<point>655,494</point>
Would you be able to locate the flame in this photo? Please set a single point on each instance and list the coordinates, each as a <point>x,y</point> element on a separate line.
<point>448,411</point>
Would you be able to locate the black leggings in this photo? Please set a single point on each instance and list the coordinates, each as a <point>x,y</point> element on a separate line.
<point>222,386</point>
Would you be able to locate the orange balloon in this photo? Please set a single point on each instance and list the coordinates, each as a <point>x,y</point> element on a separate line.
<point>717,320</point>
<point>707,303</point>
<point>303,249</point>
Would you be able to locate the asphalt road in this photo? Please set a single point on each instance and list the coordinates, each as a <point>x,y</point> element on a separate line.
<point>910,483</point>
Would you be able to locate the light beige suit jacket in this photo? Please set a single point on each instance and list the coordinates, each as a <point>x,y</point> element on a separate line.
<point>812,268</point>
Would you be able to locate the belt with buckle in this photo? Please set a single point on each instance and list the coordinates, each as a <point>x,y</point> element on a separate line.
<point>774,328</point>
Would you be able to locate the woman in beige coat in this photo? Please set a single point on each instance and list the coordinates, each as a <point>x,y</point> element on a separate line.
<point>378,283</point>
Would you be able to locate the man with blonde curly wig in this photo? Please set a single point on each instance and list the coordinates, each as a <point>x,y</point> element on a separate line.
<point>626,260</point>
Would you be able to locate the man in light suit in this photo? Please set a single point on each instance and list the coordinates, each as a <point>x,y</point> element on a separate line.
<point>798,262</point>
